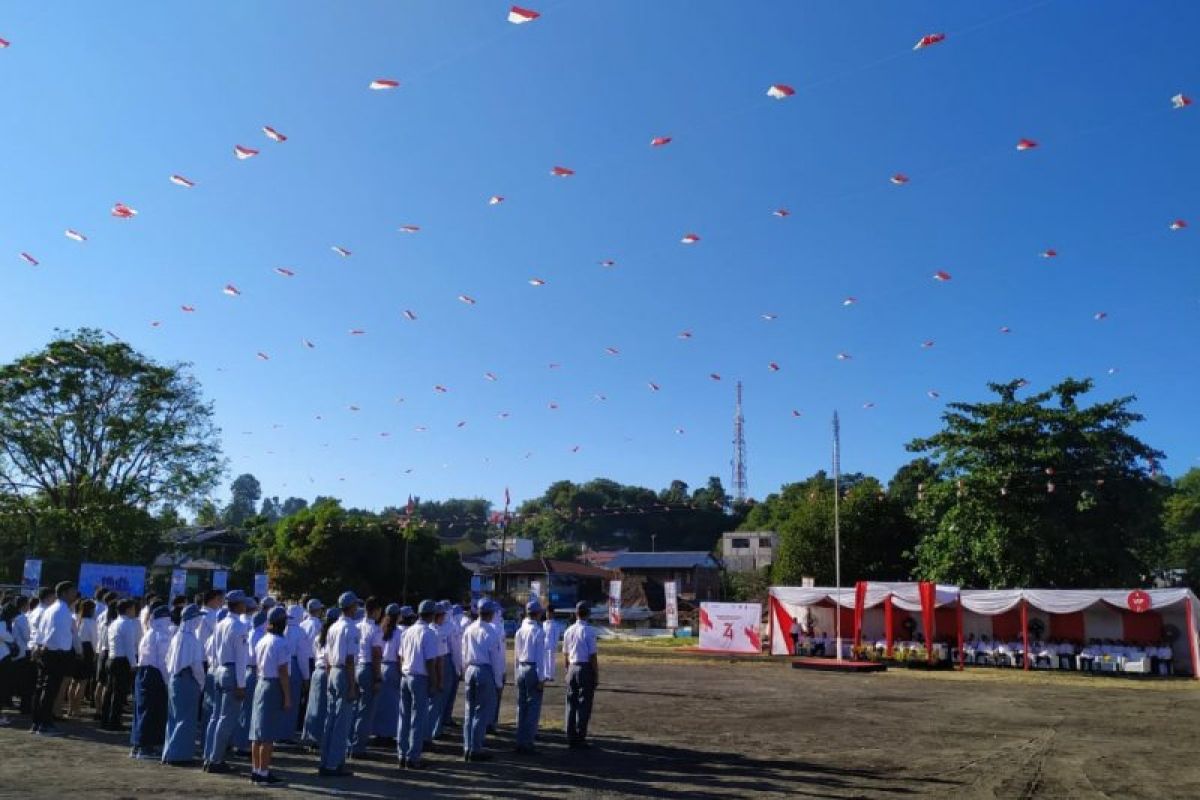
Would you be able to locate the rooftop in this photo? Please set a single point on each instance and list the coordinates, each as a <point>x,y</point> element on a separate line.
<point>542,566</point>
<point>689,559</point>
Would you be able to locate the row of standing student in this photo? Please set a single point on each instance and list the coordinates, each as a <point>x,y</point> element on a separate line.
<point>230,675</point>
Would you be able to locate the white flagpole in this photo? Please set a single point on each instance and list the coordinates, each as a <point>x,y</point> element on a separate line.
<point>837,534</point>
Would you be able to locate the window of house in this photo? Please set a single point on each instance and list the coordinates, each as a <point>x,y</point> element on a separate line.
<point>740,544</point>
<point>764,542</point>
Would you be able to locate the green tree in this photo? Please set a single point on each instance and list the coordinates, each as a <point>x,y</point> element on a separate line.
<point>293,505</point>
<point>1181,520</point>
<point>93,435</point>
<point>245,492</point>
<point>1040,491</point>
<point>270,509</point>
<point>207,514</point>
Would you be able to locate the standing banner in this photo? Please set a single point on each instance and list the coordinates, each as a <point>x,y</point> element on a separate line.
<point>31,576</point>
<point>260,585</point>
<point>178,582</point>
<point>730,627</point>
<point>220,579</point>
<point>671,591</point>
<point>124,579</point>
<point>535,591</point>
<point>614,602</point>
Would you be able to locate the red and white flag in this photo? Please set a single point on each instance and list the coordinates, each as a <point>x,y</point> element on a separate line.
<point>29,259</point>
<point>899,179</point>
<point>232,290</point>
<point>519,16</point>
<point>690,238</point>
<point>780,91</point>
<point>273,134</point>
<point>382,84</point>
<point>179,180</point>
<point>243,153</point>
<point>71,233</point>
<point>341,251</point>
<point>562,172</point>
<point>122,211</point>
<point>659,141</point>
<point>1026,144</point>
<point>929,40</point>
<point>1179,225</point>
<point>285,272</point>
<point>1181,100</point>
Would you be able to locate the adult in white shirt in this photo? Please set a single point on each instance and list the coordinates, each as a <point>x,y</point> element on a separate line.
<point>368,675</point>
<point>123,637</point>
<point>185,670</point>
<point>229,654</point>
<point>54,648</point>
<point>421,673</point>
<point>341,648</point>
<point>529,657</point>
<point>150,687</point>
<point>553,630</point>
<point>436,721</point>
<point>583,675</point>
<point>483,657</point>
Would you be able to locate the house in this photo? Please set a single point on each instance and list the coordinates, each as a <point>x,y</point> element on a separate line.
<point>748,551</point>
<point>563,583</point>
<point>199,551</point>
<point>514,547</point>
<point>600,558</point>
<point>698,574</point>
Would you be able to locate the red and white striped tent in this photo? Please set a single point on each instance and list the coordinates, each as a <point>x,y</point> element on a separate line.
<point>876,611</point>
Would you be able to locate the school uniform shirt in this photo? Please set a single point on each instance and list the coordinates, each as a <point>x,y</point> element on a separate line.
<point>454,643</point>
<point>230,645</point>
<point>443,638</point>
<point>5,637</point>
<point>102,624</point>
<point>87,631</point>
<point>579,643</point>
<point>185,652</point>
<point>391,647</point>
<point>420,644</point>
<point>552,630</point>
<point>208,626</point>
<point>369,637</point>
<point>152,650</point>
<point>299,648</point>
<point>270,653</point>
<point>311,627</point>
<point>341,642</point>
<point>56,627</point>
<point>529,645</point>
<point>498,627</point>
<point>21,635</point>
<point>482,646</point>
<point>34,617</point>
<point>253,638</point>
<point>123,639</point>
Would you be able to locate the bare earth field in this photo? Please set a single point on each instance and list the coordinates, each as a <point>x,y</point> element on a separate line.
<point>671,725</point>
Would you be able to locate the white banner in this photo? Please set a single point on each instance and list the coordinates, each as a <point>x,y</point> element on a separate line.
<point>220,579</point>
<point>31,576</point>
<point>614,602</point>
<point>178,582</point>
<point>260,585</point>
<point>535,591</point>
<point>671,590</point>
<point>730,627</point>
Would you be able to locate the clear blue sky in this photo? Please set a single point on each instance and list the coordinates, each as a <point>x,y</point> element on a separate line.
<point>103,101</point>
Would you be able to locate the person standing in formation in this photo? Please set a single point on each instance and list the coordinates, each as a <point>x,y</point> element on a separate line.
<point>553,631</point>
<point>583,675</point>
<point>123,636</point>
<point>318,686</point>
<point>483,655</point>
<point>341,647</point>
<point>150,687</point>
<point>368,675</point>
<point>387,706</point>
<point>419,656</point>
<point>272,696</point>
<point>452,668</point>
<point>185,666</point>
<point>229,655</point>
<point>437,697</point>
<point>299,670</point>
<point>529,657</point>
<point>54,646</point>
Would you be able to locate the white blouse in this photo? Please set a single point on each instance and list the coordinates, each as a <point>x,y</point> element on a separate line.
<point>270,653</point>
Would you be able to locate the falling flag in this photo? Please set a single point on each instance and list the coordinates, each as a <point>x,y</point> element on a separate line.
<point>273,134</point>
<point>232,290</point>
<point>188,309</point>
<point>410,228</point>
<point>179,180</point>
<point>1178,225</point>
<point>263,356</point>
<point>941,275</point>
<point>780,91</point>
<point>122,211</point>
<point>29,259</point>
<point>1181,100</point>
<point>659,141</point>
<point>1026,144</point>
<point>781,213</point>
<point>380,84</point>
<point>536,282</point>
<point>849,301</point>
<point>929,41</point>
<point>1049,253</point>
<point>844,356</point>
<point>466,299</point>
<point>519,16</point>
<point>690,238</point>
<point>410,316</point>
<point>341,251</point>
<point>562,172</point>
<point>899,179</point>
<point>495,200</point>
<point>285,272</point>
<point>71,233</point>
<point>243,153</point>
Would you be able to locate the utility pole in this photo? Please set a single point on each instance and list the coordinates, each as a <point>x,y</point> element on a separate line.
<point>837,532</point>
<point>740,485</point>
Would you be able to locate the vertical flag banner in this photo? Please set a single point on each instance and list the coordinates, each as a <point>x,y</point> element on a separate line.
<point>260,585</point>
<point>731,627</point>
<point>178,582</point>
<point>671,591</point>
<point>31,575</point>
<point>535,591</point>
<point>614,602</point>
<point>220,579</point>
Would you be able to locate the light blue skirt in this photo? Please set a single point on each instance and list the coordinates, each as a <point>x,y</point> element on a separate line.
<point>387,704</point>
<point>267,717</point>
<point>314,717</point>
<point>183,716</point>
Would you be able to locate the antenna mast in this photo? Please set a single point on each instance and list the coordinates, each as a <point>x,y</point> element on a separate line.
<point>740,485</point>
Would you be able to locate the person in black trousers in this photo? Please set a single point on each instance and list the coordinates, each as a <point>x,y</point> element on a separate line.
<point>55,655</point>
<point>123,638</point>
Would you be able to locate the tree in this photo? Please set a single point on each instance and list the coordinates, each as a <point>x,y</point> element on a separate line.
<point>270,509</point>
<point>208,515</point>
<point>92,435</point>
<point>876,535</point>
<point>293,505</point>
<point>1181,520</point>
<point>1040,491</point>
<point>245,493</point>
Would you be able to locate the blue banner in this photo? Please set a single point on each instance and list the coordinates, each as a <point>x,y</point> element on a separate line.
<point>178,582</point>
<point>31,576</point>
<point>220,579</point>
<point>125,580</point>
<point>260,585</point>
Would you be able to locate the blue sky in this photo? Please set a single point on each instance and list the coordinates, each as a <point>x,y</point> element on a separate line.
<point>105,101</point>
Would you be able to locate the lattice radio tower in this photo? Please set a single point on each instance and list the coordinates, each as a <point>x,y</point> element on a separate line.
<point>740,485</point>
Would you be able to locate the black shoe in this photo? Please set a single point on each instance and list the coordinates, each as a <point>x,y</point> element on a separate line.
<point>580,745</point>
<point>271,779</point>
<point>218,769</point>
<point>34,728</point>
<point>49,730</point>
<point>481,756</point>
<point>340,772</point>
<point>186,763</point>
<point>526,751</point>
<point>417,765</point>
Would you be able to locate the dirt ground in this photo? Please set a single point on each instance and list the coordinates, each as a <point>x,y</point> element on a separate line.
<point>670,725</point>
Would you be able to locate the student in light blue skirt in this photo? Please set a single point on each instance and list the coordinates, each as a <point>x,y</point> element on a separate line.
<point>185,668</point>
<point>387,705</point>
<point>258,628</point>
<point>318,686</point>
<point>272,696</point>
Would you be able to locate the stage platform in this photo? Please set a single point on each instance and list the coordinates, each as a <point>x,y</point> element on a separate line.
<point>833,665</point>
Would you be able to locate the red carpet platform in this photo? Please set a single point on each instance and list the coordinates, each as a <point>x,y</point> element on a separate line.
<point>833,665</point>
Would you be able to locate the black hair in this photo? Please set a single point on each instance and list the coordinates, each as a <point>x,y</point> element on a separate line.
<point>278,626</point>
<point>179,602</point>
<point>87,609</point>
<point>124,605</point>
<point>389,625</point>
<point>177,616</point>
<point>111,611</point>
<point>211,595</point>
<point>372,604</point>
<point>21,602</point>
<point>9,612</point>
<point>325,626</point>
<point>44,592</point>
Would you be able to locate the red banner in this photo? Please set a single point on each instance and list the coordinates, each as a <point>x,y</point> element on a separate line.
<point>928,591</point>
<point>860,599</point>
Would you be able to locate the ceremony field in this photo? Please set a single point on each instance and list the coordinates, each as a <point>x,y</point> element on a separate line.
<point>672,725</point>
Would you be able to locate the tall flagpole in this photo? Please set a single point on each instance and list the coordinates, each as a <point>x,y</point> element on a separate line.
<point>837,532</point>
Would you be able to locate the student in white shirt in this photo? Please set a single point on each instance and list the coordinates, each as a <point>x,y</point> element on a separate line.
<point>299,670</point>
<point>123,637</point>
<point>341,648</point>
<point>452,666</point>
<point>483,659</point>
<point>421,668</point>
<point>55,648</point>
<point>318,685</point>
<point>583,675</point>
<point>368,676</point>
<point>85,626</point>
<point>387,705</point>
<point>272,695</point>
<point>185,671</point>
<point>553,630</point>
<point>8,649</point>
<point>150,687</point>
<point>437,699</point>
<point>529,657</point>
<point>228,657</point>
